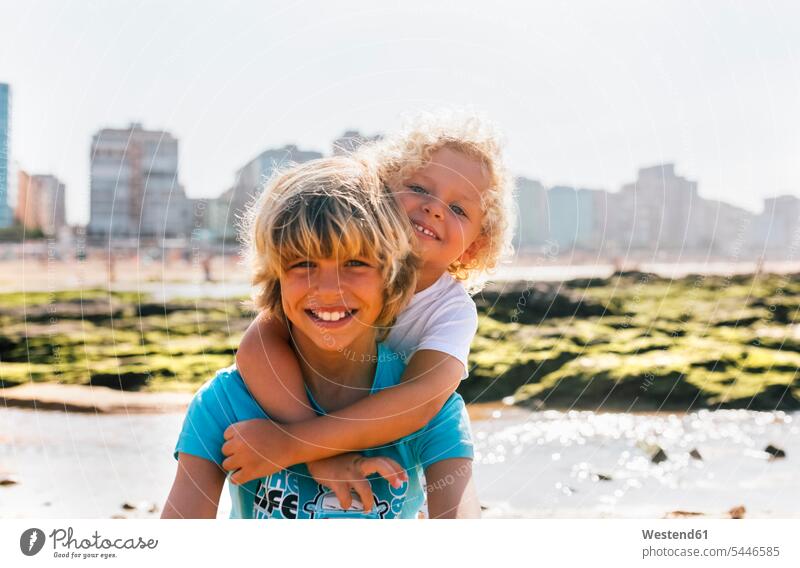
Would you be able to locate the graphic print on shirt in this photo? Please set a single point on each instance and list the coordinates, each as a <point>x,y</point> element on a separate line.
<point>325,505</point>
<point>278,497</point>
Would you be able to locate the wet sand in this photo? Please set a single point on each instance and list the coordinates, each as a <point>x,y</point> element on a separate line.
<point>89,399</point>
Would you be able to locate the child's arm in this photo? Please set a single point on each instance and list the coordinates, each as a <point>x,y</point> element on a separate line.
<point>259,447</point>
<point>196,489</point>
<point>428,381</point>
<point>451,490</point>
<point>270,370</point>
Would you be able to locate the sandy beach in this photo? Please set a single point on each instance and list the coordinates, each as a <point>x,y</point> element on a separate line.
<point>89,399</point>
<point>148,272</point>
<point>126,273</point>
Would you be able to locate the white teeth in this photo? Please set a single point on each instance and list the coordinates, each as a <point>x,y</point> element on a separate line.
<point>424,231</point>
<point>329,316</point>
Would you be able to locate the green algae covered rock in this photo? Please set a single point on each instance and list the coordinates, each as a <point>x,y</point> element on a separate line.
<point>633,341</point>
<point>639,342</point>
<point>119,340</point>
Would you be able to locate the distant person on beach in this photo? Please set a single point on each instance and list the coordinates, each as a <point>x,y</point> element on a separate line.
<point>446,172</point>
<point>332,260</point>
<point>206,263</point>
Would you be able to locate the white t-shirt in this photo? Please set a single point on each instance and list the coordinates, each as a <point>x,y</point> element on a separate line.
<point>441,317</point>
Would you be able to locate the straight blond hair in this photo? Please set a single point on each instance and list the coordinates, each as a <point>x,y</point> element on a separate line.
<point>329,208</point>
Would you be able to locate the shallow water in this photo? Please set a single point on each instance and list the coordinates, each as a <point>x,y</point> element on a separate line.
<point>538,464</point>
<point>596,465</point>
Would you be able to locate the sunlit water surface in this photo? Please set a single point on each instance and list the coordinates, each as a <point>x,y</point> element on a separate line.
<point>528,464</point>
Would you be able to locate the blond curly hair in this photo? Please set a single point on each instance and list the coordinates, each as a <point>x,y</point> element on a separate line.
<point>328,208</point>
<point>403,153</point>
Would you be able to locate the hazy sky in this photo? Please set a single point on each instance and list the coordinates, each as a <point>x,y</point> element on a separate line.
<point>585,92</point>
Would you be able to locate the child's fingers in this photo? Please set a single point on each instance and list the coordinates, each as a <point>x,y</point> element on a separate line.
<point>342,492</point>
<point>237,478</point>
<point>230,464</point>
<point>364,491</point>
<point>246,474</point>
<point>387,468</point>
<point>227,448</point>
<point>230,432</point>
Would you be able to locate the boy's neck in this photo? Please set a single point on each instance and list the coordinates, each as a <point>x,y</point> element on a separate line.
<point>338,378</point>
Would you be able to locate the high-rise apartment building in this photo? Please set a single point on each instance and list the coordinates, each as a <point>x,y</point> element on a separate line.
<point>724,229</point>
<point>250,180</point>
<point>662,210</point>
<point>532,222</point>
<point>779,224</point>
<point>6,215</point>
<point>52,203</point>
<point>577,217</point>
<point>25,211</point>
<point>135,190</point>
<point>40,202</point>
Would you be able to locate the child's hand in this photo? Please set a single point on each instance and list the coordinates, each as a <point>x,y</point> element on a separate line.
<point>345,473</point>
<point>256,448</point>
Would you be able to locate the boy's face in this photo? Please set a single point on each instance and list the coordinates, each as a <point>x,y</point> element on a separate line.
<point>332,302</point>
<point>443,202</point>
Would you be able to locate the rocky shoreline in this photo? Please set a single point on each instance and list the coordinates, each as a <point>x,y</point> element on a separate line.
<point>632,342</point>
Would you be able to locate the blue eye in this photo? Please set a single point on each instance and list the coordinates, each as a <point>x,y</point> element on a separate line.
<point>458,210</point>
<point>355,262</point>
<point>301,264</point>
<point>417,189</point>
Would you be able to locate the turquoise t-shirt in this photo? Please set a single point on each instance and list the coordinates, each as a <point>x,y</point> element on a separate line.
<point>293,493</point>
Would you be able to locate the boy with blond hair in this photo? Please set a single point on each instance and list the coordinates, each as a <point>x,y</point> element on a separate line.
<point>332,262</point>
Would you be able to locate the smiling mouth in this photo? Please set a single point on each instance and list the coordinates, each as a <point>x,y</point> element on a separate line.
<point>425,231</point>
<point>331,316</point>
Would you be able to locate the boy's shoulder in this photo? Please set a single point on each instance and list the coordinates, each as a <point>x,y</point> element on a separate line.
<point>389,369</point>
<point>223,380</point>
<point>224,392</point>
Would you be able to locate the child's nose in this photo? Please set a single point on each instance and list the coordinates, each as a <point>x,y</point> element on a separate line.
<point>327,281</point>
<point>433,207</point>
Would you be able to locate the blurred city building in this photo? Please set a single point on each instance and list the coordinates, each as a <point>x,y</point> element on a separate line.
<point>350,141</point>
<point>660,212</point>
<point>724,229</point>
<point>40,203</point>
<point>663,212</point>
<point>577,217</point>
<point>223,216</point>
<point>220,220</point>
<point>136,194</point>
<point>662,208</point>
<point>778,226</point>
<point>6,214</point>
<point>532,221</point>
<point>25,213</point>
<point>134,189</point>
